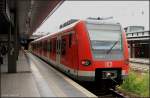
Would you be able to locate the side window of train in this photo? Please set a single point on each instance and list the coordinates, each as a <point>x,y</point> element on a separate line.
<point>70,40</point>
<point>41,45</point>
<point>63,46</point>
<point>54,46</point>
<point>45,45</point>
<point>50,46</point>
<point>37,45</point>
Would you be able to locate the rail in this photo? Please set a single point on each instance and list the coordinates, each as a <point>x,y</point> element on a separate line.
<point>117,94</point>
<point>139,64</point>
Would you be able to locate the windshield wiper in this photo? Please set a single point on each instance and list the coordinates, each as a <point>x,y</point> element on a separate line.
<point>112,47</point>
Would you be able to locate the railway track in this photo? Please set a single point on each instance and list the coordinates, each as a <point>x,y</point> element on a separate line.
<point>139,66</point>
<point>97,90</point>
<point>117,94</point>
<point>103,93</point>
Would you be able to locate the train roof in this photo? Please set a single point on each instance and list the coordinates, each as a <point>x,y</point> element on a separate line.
<point>74,23</point>
<point>102,22</point>
<point>59,31</point>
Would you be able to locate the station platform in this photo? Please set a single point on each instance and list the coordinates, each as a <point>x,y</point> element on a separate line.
<point>35,78</point>
<point>140,60</point>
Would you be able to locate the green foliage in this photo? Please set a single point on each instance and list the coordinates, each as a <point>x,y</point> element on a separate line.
<point>137,83</point>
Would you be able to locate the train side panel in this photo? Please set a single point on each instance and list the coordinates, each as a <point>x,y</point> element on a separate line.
<point>126,56</point>
<point>53,53</point>
<point>69,52</point>
<point>85,72</point>
<point>75,52</point>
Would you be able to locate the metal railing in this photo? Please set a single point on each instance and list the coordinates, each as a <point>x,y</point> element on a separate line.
<point>140,35</point>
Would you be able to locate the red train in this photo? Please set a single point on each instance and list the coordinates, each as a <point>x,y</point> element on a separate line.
<point>87,50</point>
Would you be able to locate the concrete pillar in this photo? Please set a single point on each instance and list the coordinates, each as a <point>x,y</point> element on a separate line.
<point>132,50</point>
<point>15,43</point>
<point>129,49</point>
<point>16,40</point>
<point>13,46</point>
<point>11,53</point>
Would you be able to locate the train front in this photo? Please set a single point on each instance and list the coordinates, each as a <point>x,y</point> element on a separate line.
<point>109,52</point>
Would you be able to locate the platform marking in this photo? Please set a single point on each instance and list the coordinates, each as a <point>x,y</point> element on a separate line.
<point>54,87</point>
<point>80,88</point>
<point>42,85</point>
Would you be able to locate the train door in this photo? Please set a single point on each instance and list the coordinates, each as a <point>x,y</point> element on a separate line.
<point>45,48</point>
<point>58,50</point>
<point>73,47</point>
<point>40,48</point>
<point>48,48</point>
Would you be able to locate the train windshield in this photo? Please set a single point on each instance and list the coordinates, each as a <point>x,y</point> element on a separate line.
<point>106,41</point>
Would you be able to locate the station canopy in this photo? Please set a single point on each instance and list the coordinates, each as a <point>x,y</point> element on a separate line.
<point>29,14</point>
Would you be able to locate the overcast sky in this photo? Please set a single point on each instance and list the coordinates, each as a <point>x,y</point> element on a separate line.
<point>126,12</point>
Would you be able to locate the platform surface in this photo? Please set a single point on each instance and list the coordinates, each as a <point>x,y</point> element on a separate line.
<point>20,84</point>
<point>35,78</point>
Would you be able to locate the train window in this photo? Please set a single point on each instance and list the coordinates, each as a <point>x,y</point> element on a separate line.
<point>37,45</point>
<point>70,40</point>
<point>45,46</point>
<point>33,46</point>
<point>49,48</point>
<point>40,44</point>
<point>63,46</point>
<point>54,46</point>
<point>106,41</point>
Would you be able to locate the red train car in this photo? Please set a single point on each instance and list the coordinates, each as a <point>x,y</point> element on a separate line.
<point>87,50</point>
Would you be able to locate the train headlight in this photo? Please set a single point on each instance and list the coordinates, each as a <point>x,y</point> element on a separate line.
<point>86,62</point>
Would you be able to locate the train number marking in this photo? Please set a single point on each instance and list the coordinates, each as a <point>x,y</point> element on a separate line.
<point>108,64</point>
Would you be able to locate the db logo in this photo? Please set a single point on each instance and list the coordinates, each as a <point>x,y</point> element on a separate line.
<point>108,64</point>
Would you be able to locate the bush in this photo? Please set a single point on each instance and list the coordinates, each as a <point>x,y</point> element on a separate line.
<point>137,83</point>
